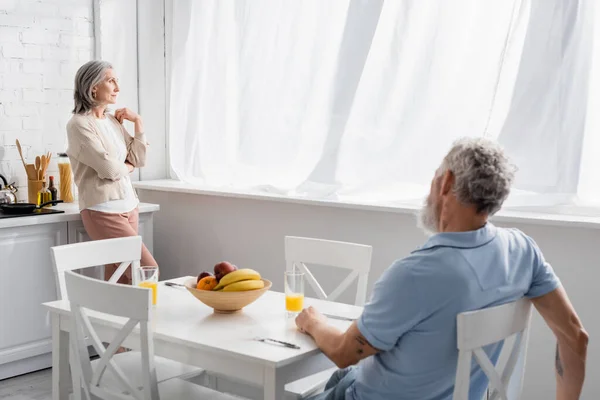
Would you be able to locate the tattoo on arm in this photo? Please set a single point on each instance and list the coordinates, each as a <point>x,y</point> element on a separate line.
<point>361,342</point>
<point>558,363</point>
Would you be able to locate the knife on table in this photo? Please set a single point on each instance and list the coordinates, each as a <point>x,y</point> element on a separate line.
<point>339,317</point>
<point>286,344</point>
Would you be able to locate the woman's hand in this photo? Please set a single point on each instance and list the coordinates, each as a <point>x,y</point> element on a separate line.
<point>129,166</point>
<point>126,114</point>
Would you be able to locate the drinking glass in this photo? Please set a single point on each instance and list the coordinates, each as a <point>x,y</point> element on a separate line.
<point>294,292</point>
<point>148,278</point>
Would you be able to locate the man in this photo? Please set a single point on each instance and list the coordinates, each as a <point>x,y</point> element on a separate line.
<point>405,340</point>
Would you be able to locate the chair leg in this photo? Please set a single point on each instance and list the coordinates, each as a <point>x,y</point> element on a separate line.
<point>210,381</point>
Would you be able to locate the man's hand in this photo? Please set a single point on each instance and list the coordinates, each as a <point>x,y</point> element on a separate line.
<point>572,338</point>
<point>308,318</point>
<point>343,348</point>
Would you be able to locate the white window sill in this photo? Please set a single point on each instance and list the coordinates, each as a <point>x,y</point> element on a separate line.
<point>565,216</point>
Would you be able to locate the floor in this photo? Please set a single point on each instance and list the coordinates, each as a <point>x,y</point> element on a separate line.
<point>33,386</point>
<point>38,386</point>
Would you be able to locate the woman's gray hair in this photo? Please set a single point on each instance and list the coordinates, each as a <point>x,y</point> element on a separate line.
<point>88,75</point>
<point>483,174</point>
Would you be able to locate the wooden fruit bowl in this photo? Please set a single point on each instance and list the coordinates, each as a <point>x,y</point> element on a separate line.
<point>226,302</point>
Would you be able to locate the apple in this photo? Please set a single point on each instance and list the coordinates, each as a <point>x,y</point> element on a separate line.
<point>203,275</point>
<point>223,268</point>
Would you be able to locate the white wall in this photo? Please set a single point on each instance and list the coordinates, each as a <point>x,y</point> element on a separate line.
<point>194,232</point>
<point>41,46</point>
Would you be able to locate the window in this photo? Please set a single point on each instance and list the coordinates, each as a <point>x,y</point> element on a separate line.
<point>361,99</point>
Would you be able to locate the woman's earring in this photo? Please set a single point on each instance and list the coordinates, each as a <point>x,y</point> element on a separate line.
<point>94,94</point>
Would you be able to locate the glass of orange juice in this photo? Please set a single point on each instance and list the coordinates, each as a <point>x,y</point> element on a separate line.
<point>148,278</point>
<point>294,292</point>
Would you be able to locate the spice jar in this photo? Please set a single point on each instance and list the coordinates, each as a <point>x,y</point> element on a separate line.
<point>65,176</point>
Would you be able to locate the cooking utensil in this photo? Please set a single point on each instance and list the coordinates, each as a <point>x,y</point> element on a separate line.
<point>21,153</point>
<point>31,174</point>
<point>48,158</point>
<point>38,165</point>
<point>24,208</point>
<point>280,342</point>
<point>44,164</point>
<point>29,168</point>
<point>7,195</point>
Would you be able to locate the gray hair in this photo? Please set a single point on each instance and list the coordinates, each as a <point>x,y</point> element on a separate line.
<point>482,173</point>
<point>88,75</point>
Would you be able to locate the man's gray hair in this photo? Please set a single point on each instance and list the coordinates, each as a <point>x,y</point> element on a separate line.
<point>482,173</point>
<point>89,75</point>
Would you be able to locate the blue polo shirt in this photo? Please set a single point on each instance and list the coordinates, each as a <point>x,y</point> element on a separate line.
<point>411,316</point>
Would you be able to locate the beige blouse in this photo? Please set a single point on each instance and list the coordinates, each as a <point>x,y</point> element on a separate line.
<point>96,169</point>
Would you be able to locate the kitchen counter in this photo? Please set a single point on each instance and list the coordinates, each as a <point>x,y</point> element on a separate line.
<point>25,243</point>
<point>71,213</point>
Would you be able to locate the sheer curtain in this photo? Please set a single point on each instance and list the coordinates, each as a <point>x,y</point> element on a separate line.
<point>544,130</point>
<point>361,99</point>
<point>251,89</point>
<point>436,71</point>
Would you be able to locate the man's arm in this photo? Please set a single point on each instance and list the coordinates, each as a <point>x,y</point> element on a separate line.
<point>343,348</point>
<point>571,349</point>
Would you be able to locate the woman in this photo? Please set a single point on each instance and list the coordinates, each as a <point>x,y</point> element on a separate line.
<point>102,155</point>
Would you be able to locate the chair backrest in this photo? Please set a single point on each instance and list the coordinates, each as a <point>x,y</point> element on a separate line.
<point>125,301</point>
<point>476,329</point>
<point>127,251</point>
<point>300,251</point>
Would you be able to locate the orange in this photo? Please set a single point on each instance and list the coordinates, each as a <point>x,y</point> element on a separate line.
<point>207,283</point>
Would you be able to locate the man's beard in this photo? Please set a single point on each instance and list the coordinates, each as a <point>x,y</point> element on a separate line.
<point>427,219</point>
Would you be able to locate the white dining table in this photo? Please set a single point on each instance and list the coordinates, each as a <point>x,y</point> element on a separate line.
<point>188,331</point>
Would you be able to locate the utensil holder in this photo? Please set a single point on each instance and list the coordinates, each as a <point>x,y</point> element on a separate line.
<point>33,188</point>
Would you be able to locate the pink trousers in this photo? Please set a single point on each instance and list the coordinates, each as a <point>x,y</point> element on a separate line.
<point>100,225</point>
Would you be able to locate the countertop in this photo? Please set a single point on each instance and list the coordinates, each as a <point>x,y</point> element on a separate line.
<point>71,213</point>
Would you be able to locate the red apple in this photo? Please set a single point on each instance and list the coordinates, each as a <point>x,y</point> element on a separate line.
<point>223,268</point>
<point>203,275</point>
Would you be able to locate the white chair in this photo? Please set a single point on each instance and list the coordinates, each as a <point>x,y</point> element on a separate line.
<point>126,251</point>
<point>90,379</point>
<point>300,251</point>
<point>476,329</point>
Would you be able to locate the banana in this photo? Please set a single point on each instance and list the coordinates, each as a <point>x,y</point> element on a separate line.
<point>243,274</point>
<point>242,286</point>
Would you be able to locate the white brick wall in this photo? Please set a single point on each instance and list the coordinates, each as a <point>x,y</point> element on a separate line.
<point>42,43</point>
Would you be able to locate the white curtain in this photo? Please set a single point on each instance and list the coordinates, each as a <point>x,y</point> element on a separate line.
<point>436,71</point>
<point>251,90</point>
<point>361,99</point>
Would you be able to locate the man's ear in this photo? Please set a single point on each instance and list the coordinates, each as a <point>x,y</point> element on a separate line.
<point>447,183</point>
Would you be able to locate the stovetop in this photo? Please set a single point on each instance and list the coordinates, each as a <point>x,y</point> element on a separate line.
<point>43,211</point>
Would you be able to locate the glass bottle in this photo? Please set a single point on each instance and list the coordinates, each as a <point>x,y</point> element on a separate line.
<point>65,178</point>
<point>53,190</point>
<point>44,195</point>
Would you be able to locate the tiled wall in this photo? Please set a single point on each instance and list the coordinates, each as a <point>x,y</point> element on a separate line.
<point>42,43</point>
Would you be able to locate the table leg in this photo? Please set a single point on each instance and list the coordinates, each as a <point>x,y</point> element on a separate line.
<point>273,384</point>
<point>60,361</point>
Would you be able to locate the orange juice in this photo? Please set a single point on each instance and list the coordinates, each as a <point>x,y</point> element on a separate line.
<point>294,302</point>
<point>153,286</point>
